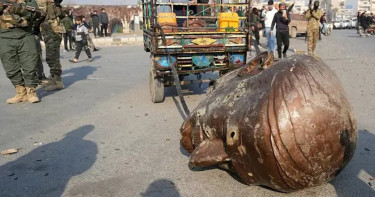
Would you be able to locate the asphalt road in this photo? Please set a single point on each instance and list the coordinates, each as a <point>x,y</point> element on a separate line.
<point>102,136</point>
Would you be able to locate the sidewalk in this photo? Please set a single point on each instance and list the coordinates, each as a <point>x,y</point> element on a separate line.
<point>118,40</point>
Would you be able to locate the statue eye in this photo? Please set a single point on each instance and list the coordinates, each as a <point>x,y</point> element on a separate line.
<point>232,134</point>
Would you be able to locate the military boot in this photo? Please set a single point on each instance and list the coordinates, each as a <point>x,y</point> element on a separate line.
<point>55,83</point>
<point>43,79</point>
<point>20,95</point>
<point>32,97</point>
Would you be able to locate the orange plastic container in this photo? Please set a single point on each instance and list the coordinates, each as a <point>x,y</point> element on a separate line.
<point>228,20</point>
<point>167,17</point>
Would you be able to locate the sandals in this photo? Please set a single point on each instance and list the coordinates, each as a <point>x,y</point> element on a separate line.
<point>76,61</point>
<point>73,61</point>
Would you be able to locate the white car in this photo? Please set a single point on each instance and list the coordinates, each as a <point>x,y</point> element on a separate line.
<point>346,24</point>
<point>337,25</point>
<point>354,23</point>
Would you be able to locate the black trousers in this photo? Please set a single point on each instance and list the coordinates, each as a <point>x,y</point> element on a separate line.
<point>96,30</point>
<point>282,38</point>
<point>256,34</point>
<point>82,45</point>
<point>104,28</point>
<point>68,37</point>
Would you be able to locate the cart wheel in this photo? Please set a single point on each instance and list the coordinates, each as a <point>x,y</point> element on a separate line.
<point>181,77</point>
<point>146,49</point>
<point>293,32</point>
<point>156,88</point>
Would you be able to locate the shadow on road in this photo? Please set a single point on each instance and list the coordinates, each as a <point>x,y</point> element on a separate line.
<point>161,188</point>
<point>46,170</point>
<point>348,183</point>
<point>70,77</point>
<point>183,151</point>
<point>75,74</point>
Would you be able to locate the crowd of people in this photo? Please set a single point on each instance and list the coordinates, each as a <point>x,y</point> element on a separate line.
<point>98,26</point>
<point>275,23</point>
<point>25,25</point>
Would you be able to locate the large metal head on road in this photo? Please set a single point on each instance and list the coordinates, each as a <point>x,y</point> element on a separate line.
<point>288,127</point>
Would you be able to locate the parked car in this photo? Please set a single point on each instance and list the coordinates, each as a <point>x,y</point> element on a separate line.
<point>298,25</point>
<point>354,23</point>
<point>346,24</point>
<point>337,25</point>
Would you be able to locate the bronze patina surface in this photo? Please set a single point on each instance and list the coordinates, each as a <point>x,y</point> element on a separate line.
<point>287,127</point>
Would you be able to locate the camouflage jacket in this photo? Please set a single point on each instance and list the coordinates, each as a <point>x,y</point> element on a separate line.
<point>313,19</point>
<point>17,21</point>
<point>53,16</point>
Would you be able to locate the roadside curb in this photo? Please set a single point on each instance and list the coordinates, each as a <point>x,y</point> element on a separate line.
<point>118,41</point>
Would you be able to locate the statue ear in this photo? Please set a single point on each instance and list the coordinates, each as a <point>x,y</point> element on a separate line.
<point>209,153</point>
<point>252,67</point>
<point>269,61</point>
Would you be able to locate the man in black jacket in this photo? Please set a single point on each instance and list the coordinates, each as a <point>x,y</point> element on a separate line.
<point>103,20</point>
<point>282,20</point>
<point>95,22</point>
<point>364,21</point>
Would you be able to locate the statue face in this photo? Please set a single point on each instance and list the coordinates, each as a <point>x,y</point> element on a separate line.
<point>288,127</point>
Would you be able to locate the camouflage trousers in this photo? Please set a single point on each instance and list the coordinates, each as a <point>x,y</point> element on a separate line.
<point>53,42</point>
<point>312,39</point>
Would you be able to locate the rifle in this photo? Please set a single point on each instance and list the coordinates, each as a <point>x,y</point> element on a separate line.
<point>310,6</point>
<point>17,14</point>
<point>29,8</point>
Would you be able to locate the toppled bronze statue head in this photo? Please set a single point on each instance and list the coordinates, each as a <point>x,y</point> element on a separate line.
<point>287,127</point>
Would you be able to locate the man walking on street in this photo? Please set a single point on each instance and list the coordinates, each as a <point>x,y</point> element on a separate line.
<point>282,20</point>
<point>103,20</point>
<point>268,23</point>
<point>313,16</point>
<point>95,23</point>
<point>254,23</point>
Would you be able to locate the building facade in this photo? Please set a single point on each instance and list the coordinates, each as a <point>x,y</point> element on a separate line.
<point>299,6</point>
<point>366,5</point>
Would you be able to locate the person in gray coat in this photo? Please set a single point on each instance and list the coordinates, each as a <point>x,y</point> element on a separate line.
<point>103,20</point>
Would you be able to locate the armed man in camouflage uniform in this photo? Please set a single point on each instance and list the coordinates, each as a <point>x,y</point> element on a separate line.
<point>313,16</point>
<point>52,30</point>
<point>18,51</point>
